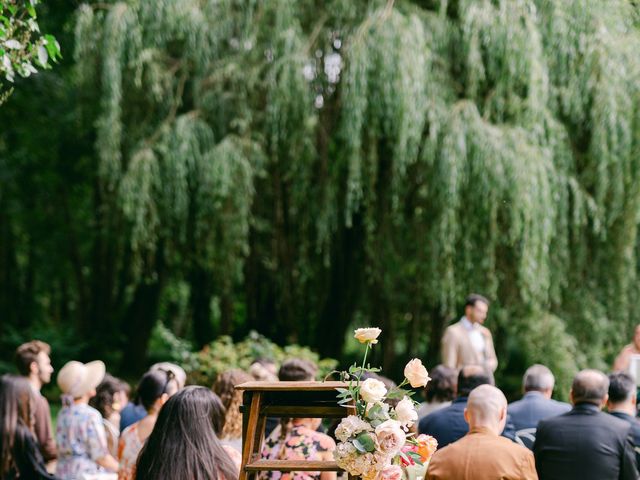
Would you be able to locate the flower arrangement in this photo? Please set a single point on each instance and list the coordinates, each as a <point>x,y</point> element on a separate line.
<point>375,443</point>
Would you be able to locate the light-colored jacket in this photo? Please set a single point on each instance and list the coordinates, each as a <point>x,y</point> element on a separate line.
<point>457,350</point>
<point>482,455</point>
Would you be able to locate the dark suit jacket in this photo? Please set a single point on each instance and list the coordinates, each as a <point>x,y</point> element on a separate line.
<point>524,415</point>
<point>585,444</point>
<point>447,424</point>
<point>635,430</point>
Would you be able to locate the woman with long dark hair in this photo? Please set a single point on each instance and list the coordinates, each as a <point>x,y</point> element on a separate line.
<point>154,389</point>
<point>20,456</point>
<point>184,444</point>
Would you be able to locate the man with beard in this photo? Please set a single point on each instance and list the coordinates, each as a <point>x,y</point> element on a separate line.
<point>33,361</point>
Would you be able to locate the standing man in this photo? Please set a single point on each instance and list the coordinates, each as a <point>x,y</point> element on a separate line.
<point>623,360</point>
<point>468,342</point>
<point>33,361</point>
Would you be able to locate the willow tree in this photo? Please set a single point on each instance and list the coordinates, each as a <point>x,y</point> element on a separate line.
<point>302,164</point>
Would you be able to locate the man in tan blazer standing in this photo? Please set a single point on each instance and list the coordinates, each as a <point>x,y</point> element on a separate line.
<point>483,454</point>
<point>468,342</point>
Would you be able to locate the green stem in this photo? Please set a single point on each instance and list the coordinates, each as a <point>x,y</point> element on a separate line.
<point>364,360</point>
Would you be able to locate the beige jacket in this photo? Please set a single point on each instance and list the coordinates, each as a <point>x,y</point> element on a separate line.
<point>482,455</point>
<point>457,350</point>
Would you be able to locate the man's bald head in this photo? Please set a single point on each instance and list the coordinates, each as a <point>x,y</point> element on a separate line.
<point>487,407</point>
<point>590,386</point>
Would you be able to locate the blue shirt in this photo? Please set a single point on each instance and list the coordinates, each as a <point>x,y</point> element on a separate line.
<point>525,414</point>
<point>447,424</point>
<point>131,414</point>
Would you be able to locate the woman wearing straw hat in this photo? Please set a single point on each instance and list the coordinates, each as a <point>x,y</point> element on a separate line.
<point>80,434</point>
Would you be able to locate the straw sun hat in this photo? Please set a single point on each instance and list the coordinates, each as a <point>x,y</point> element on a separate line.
<point>76,379</point>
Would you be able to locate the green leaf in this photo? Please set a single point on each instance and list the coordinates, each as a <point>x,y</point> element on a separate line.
<point>366,441</point>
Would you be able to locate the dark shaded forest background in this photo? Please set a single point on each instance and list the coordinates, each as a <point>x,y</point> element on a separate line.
<point>300,168</point>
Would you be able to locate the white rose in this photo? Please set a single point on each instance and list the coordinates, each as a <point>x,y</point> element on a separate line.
<point>406,412</point>
<point>364,335</point>
<point>351,426</point>
<point>416,373</point>
<point>372,390</point>
<point>391,437</point>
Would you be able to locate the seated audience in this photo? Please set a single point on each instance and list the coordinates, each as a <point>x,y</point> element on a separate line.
<point>535,405</point>
<point>20,456</point>
<point>623,359</point>
<point>111,396</point>
<point>585,444</point>
<point>298,438</point>
<point>33,362</point>
<point>184,444</point>
<point>80,434</point>
<point>231,399</point>
<point>622,404</point>
<point>264,370</point>
<point>448,424</point>
<point>155,388</point>
<point>482,454</point>
<point>134,412</point>
<point>440,390</point>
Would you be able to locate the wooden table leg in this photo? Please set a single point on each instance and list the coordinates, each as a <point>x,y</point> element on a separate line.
<point>249,441</point>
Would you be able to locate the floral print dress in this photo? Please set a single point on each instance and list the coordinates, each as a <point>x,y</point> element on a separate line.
<point>81,440</point>
<point>300,443</point>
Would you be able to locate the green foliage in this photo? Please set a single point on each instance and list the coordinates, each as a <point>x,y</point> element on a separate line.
<point>22,46</point>
<point>223,354</point>
<point>296,166</point>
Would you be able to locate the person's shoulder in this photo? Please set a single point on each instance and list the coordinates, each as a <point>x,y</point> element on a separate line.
<point>484,330</point>
<point>130,430</point>
<point>560,406</point>
<point>324,441</point>
<point>234,454</point>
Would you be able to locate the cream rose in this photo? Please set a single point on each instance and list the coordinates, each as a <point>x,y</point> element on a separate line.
<point>391,437</point>
<point>372,390</point>
<point>392,472</point>
<point>370,335</point>
<point>350,426</point>
<point>406,412</point>
<point>416,373</point>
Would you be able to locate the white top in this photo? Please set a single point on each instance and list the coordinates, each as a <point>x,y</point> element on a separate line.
<point>475,336</point>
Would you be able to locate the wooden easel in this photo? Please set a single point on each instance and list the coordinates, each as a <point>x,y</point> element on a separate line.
<point>284,399</point>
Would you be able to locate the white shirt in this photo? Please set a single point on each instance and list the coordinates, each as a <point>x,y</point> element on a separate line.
<point>475,336</point>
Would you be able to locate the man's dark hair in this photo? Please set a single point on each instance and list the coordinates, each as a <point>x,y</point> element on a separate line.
<point>297,369</point>
<point>27,353</point>
<point>473,376</point>
<point>589,386</point>
<point>475,298</point>
<point>442,386</point>
<point>621,387</point>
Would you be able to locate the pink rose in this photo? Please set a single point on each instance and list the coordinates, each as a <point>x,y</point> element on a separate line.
<point>391,437</point>
<point>416,373</point>
<point>392,472</point>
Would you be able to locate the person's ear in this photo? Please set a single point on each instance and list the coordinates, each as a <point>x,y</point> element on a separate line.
<point>163,398</point>
<point>604,401</point>
<point>33,367</point>
<point>466,415</point>
<point>571,397</point>
<point>503,413</point>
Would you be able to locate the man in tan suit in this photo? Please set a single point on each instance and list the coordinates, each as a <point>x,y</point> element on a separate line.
<point>483,454</point>
<point>468,342</point>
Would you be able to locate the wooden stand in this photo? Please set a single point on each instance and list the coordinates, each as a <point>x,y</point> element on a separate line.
<point>284,399</point>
